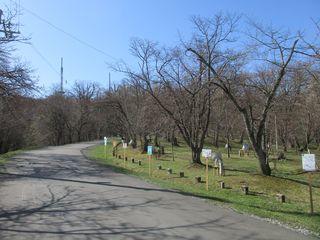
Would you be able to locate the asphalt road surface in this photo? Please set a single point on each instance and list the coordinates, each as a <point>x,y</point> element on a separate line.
<point>56,193</point>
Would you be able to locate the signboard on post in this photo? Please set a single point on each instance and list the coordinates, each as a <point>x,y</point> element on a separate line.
<point>309,162</point>
<point>309,165</point>
<point>105,141</point>
<point>149,150</point>
<point>206,153</point>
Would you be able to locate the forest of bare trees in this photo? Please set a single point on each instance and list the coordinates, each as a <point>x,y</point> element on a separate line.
<point>221,85</point>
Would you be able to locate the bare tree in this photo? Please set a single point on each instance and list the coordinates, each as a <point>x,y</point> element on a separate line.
<point>271,46</point>
<point>179,85</point>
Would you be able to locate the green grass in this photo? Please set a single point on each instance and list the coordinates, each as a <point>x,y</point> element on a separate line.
<point>287,179</point>
<point>4,158</point>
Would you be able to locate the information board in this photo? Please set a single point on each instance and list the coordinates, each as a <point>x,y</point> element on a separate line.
<point>207,153</point>
<point>309,162</point>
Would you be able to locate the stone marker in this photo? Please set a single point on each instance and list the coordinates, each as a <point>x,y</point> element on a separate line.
<point>159,167</point>
<point>181,174</point>
<point>169,171</point>
<point>126,159</point>
<point>222,185</point>
<point>132,160</point>
<point>119,156</point>
<point>281,197</point>
<point>245,189</point>
<point>139,163</point>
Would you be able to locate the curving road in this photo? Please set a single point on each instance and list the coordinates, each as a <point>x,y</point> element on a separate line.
<point>56,193</point>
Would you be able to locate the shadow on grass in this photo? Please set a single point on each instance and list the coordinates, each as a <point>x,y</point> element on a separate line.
<point>302,182</point>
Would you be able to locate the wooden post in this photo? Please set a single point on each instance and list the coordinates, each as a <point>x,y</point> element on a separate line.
<point>207,174</point>
<point>149,159</point>
<point>124,157</point>
<point>310,192</point>
<point>105,152</point>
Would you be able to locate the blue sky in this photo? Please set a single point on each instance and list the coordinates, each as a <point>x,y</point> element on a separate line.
<point>110,24</point>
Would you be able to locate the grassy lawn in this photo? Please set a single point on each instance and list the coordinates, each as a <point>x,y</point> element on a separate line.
<point>6,156</point>
<point>288,179</point>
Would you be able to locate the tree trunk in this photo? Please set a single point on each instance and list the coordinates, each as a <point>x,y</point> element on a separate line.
<point>263,162</point>
<point>284,144</point>
<point>216,139</point>
<point>144,145</point>
<point>134,143</point>
<point>156,142</point>
<point>257,143</point>
<point>241,137</point>
<point>196,154</point>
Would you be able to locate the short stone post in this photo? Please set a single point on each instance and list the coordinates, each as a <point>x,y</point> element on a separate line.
<point>281,198</point>
<point>245,189</point>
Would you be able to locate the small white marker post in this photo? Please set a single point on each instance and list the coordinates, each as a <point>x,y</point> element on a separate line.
<point>149,158</point>
<point>124,146</point>
<point>207,154</point>
<point>309,165</point>
<point>105,147</point>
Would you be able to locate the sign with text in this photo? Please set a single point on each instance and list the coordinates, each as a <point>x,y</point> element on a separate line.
<point>149,150</point>
<point>206,153</point>
<point>309,162</point>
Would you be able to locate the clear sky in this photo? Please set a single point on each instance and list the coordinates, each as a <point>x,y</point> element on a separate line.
<point>109,25</point>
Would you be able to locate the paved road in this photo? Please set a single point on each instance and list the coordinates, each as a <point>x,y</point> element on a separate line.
<point>56,193</point>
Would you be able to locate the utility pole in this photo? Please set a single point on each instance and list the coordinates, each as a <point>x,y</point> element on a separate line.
<point>61,77</point>
<point>110,82</point>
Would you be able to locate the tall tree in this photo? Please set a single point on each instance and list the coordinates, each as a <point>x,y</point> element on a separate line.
<point>273,48</point>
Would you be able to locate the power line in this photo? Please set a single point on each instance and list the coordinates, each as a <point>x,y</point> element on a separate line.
<point>68,34</point>
<point>45,59</point>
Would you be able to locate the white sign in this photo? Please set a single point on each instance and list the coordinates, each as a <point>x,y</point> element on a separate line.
<point>309,162</point>
<point>206,153</point>
<point>245,147</point>
<point>105,141</point>
<point>149,150</point>
<point>124,145</point>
